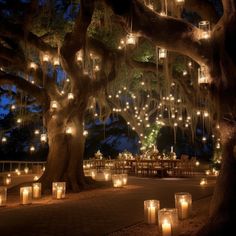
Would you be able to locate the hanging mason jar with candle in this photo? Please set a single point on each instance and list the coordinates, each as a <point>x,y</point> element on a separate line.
<point>131,39</point>
<point>162,53</point>
<point>179,2</point>
<point>183,203</point>
<point>151,208</point>
<point>205,29</point>
<point>203,75</point>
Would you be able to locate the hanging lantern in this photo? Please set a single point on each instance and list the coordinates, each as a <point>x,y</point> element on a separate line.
<point>203,75</point>
<point>46,57</point>
<point>4,139</point>
<point>71,96</point>
<point>54,105</point>
<point>33,65</point>
<point>56,61</point>
<point>131,39</point>
<point>79,56</point>
<point>68,130</point>
<point>43,138</point>
<point>205,31</point>
<point>162,54</point>
<point>179,2</point>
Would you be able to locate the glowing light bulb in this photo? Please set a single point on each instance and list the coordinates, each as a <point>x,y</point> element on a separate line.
<point>36,132</point>
<point>32,148</point>
<point>19,121</point>
<point>4,139</point>
<point>13,107</point>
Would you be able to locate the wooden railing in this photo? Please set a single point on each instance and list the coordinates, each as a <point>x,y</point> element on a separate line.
<point>8,166</point>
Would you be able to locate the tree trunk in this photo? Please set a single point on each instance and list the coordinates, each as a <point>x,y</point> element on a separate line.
<point>223,206</point>
<point>66,150</point>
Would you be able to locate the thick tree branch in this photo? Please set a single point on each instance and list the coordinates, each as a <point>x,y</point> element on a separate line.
<point>204,9</point>
<point>26,86</point>
<point>75,40</point>
<point>173,34</point>
<point>16,31</point>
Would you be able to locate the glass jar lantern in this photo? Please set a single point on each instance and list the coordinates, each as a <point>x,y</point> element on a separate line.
<point>26,195</point>
<point>37,190</point>
<point>203,75</point>
<point>59,190</point>
<point>205,29</point>
<point>151,208</point>
<point>117,181</point>
<point>124,179</point>
<point>168,222</point>
<point>3,196</point>
<point>131,39</point>
<point>162,53</point>
<point>93,173</point>
<point>183,203</point>
<point>179,2</point>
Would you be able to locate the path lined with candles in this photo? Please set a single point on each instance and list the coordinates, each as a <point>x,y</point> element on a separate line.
<point>95,212</point>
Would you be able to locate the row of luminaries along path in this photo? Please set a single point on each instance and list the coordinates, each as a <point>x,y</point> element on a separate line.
<point>167,219</point>
<point>117,171</point>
